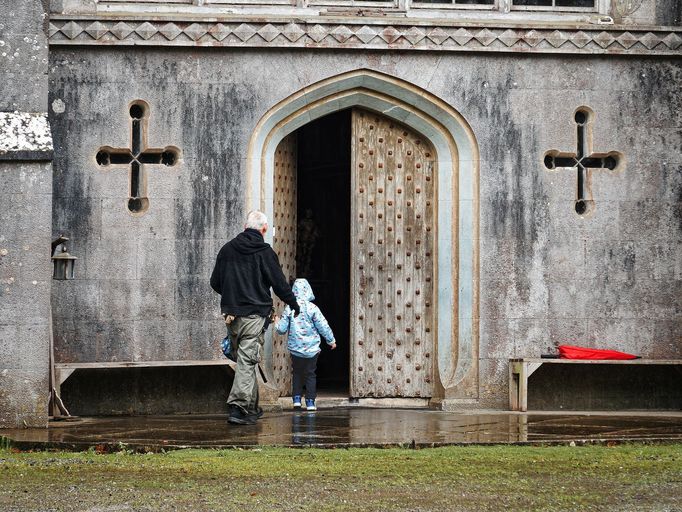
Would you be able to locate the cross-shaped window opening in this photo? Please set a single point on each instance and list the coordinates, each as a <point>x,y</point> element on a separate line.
<point>584,160</point>
<point>137,156</point>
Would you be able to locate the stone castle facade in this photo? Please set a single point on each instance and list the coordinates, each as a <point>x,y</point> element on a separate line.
<point>144,132</point>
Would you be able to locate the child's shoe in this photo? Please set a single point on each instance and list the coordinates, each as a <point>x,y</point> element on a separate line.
<point>310,404</point>
<point>297,401</point>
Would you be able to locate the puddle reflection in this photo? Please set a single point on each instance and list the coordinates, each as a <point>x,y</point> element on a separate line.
<point>352,426</point>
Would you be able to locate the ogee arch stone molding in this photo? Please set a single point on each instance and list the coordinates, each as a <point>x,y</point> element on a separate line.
<point>456,198</point>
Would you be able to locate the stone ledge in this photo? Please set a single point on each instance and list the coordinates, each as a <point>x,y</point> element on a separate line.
<point>365,34</point>
<point>25,136</point>
<point>27,156</point>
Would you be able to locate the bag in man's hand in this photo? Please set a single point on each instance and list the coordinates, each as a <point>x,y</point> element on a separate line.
<point>226,346</point>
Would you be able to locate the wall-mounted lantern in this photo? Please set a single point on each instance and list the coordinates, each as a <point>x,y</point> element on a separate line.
<point>62,263</point>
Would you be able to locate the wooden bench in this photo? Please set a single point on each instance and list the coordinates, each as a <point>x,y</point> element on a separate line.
<point>521,369</point>
<point>62,371</point>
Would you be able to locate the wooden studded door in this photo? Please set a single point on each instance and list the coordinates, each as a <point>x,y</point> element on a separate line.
<point>284,244</point>
<point>392,259</point>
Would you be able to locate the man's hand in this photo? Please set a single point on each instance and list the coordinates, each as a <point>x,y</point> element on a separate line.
<point>297,310</point>
<point>332,346</point>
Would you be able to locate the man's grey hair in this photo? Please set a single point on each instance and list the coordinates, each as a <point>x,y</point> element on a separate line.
<point>256,220</point>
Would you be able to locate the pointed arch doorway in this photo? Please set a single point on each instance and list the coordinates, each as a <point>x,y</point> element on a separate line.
<point>354,214</point>
<point>450,329</point>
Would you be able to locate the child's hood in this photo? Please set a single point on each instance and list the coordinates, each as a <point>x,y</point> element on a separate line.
<point>302,290</point>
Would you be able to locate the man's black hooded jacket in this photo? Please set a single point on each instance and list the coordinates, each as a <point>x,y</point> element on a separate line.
<point>245,269</point>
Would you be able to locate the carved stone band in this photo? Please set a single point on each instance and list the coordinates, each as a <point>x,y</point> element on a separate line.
<point>364,35</point>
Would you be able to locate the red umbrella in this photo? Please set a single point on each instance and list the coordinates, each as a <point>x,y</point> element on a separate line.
<point>571,352</point>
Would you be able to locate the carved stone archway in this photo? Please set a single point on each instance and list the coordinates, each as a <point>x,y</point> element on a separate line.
<point>457,198</point>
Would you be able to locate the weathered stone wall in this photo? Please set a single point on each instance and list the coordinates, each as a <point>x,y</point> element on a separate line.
<point>669,12</point>
<point>548,276</point>
<point>607,387</point>
<point>144,391</point>
<point>25,215</point>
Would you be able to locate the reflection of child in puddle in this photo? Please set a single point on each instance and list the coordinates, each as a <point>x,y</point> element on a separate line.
<point>303,342</point>
<point>302,428</point>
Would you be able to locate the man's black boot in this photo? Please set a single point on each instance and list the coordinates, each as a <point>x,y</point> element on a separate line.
<point>240,417</point>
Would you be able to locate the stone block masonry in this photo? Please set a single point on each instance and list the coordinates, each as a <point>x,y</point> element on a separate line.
<point>25,278</point>
<point>548,275</point>
<point>25,215</point>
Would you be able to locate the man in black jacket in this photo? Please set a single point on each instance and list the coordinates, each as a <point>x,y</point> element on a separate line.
<point>245,269</point>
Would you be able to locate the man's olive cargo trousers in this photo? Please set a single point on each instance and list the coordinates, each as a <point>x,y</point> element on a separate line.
<point>247,335</point>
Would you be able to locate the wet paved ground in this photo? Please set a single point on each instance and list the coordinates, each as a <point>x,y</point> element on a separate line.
<point>351,427</point>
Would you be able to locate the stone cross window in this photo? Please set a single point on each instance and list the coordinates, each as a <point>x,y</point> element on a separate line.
<point>137,156</point>
<point>584,160</point>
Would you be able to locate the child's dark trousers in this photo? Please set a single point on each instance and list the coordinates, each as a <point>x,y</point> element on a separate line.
<point>304,375</point>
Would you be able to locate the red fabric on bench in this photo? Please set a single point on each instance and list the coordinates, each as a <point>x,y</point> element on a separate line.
<point>571,352</point>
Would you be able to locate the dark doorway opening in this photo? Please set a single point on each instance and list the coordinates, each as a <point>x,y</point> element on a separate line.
<point>323,235</point>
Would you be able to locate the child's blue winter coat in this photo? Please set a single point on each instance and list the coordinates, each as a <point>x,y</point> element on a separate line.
<point>306,328</point>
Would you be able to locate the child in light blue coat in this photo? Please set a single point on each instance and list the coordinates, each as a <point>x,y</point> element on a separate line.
<point>303,342</point>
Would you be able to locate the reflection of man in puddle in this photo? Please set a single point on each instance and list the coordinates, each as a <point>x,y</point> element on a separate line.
<point>307,237</point>
<point>303,428</point>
